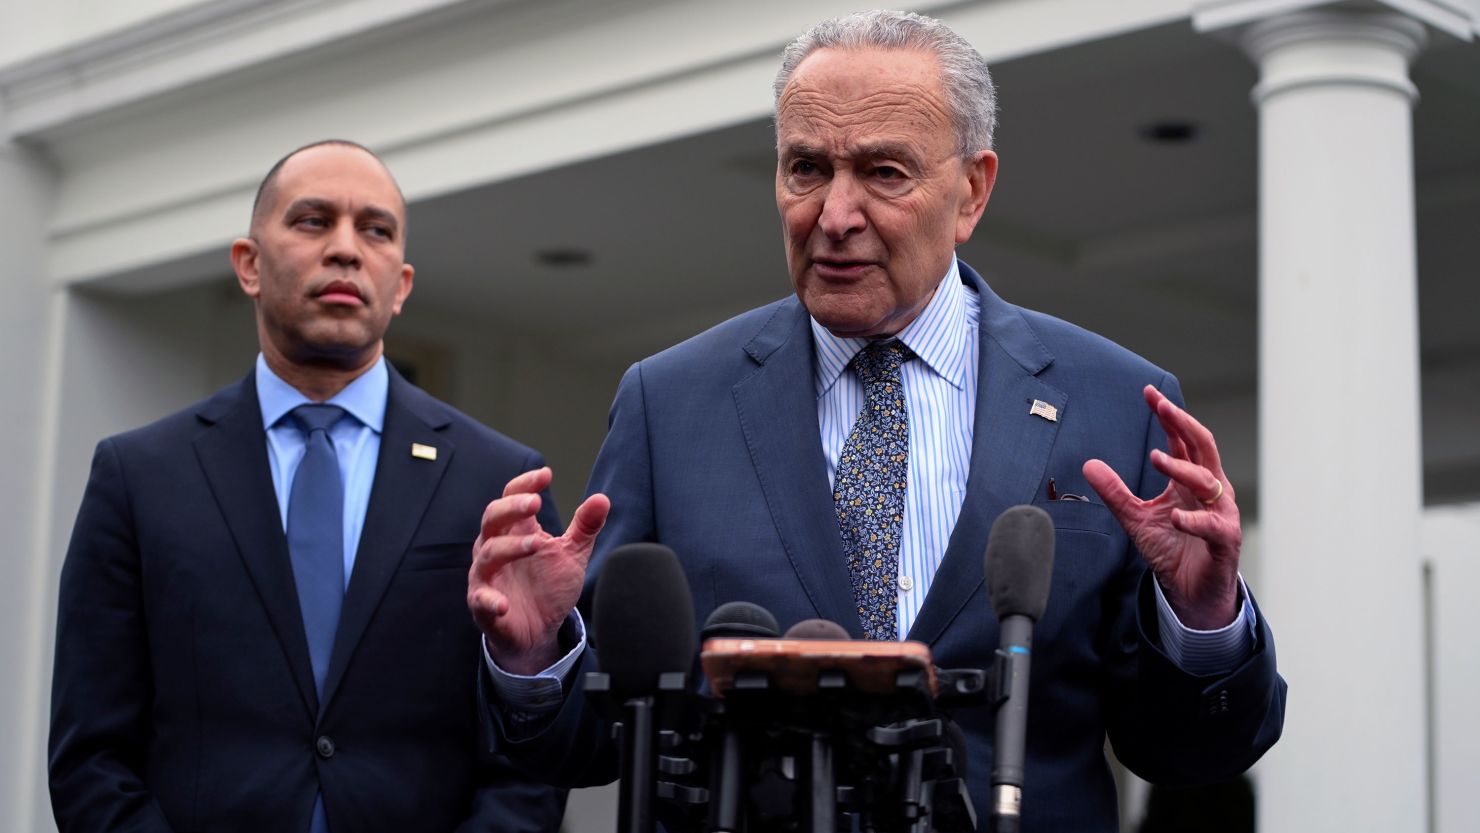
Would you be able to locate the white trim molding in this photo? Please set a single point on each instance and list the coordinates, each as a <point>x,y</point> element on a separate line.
<point>1453,17</point>
<point>176,50</point>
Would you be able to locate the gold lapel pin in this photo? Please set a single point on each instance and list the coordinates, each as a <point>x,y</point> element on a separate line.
<point>423,452</point>
<point>1045,410</point>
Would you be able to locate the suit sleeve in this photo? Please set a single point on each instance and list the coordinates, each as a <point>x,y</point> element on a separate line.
<point>1168,726</point>
<point>101,683</point>
<point>575,748</point>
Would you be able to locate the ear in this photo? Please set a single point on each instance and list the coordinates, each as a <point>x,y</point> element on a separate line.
<point>981,175</point>
<point>244,262</point>
<point>403,287</point>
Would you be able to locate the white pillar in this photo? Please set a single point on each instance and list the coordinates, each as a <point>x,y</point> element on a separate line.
<point>1340,488</point>
<point>26,345</point>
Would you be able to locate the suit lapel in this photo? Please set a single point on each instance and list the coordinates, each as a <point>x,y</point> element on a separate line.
<point>1009,453</point>
<point>778,414</point>
<point>402,491</point>
<point>233,453</point>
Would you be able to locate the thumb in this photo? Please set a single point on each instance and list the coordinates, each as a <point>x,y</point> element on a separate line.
<point>590,517</point>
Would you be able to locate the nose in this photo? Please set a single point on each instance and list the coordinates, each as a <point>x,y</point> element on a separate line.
<point>343,245</point>
<point>842,208</point>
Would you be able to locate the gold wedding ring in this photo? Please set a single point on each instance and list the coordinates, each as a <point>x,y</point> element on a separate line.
<point>1214,499</point>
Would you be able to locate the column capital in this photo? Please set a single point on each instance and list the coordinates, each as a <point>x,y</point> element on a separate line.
<point>1452,17</point>
<point>1339,45</point>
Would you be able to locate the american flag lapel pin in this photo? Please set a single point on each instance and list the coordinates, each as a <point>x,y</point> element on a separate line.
<point>1045,410</point>
<point>423,452</point>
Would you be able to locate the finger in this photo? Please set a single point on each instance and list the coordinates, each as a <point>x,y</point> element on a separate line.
<point>1177,447</point>
<point>1223,536</point>
<point>1154,398</point>
<point>486,603</point>
<point>1201,448</point>
<point>492,554</point>
<point>1111,489</point>
<point>510,514</point>
<point>530,482</point>
<point>590,517</point>
<point>1196,481</point>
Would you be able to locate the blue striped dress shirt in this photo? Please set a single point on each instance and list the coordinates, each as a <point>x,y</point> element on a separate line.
<point>940,394</point>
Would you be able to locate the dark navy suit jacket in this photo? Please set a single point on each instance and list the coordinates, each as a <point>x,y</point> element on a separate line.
<point>714,451</point>
<point>183,697</point>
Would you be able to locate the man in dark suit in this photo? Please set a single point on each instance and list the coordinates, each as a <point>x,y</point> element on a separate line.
<point>750,448</point>
<point>261,623</point>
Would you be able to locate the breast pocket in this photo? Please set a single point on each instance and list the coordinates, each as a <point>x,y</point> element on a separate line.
<point>454,554</point>
<point>1089,549</point>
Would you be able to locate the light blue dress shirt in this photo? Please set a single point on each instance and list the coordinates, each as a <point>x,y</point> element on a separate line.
<point>356,442</point>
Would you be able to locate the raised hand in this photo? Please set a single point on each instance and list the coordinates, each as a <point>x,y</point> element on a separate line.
<point>525,581</point>
<point>1189,534</point>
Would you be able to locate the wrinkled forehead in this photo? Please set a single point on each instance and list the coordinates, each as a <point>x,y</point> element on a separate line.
<point>838,96</point>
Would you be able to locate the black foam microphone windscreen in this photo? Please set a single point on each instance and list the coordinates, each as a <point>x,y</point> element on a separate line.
<point>1019,562</point>
<point>816,629</point>
<point>643,617</point>
<point>740,620</point>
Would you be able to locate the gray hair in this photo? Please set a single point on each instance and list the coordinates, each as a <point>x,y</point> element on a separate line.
<point>963,72</point>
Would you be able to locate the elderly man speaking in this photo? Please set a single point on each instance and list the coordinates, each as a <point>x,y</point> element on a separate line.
<point>727,448</point>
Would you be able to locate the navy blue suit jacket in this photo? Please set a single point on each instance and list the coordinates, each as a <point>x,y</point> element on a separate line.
<point>714,451</point>
<point>183,697</point>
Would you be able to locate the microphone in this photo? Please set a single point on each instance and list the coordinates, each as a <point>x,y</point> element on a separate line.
<point>1019,568</point>
<point>741,620</point>
<point>817,629</point>
<point>643,618</point>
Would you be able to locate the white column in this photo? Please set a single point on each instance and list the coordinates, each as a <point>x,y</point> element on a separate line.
<point>26,443</point>
<point>1340,488</point>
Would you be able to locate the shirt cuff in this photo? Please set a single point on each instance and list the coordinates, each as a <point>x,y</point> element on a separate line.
<point>1207,653</point>
<point>529,698</point>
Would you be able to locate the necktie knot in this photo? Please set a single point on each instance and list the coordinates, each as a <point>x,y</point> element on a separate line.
<point>311,418</point>
<point>880,361</point>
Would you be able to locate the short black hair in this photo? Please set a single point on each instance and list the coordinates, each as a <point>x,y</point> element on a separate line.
<point>267,189</point>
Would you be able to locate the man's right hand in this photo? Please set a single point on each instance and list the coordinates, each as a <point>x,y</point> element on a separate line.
<point>524,581</point>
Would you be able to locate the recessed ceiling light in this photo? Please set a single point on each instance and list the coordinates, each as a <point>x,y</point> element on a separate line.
<point>1170,132</point>
<point>563,257</point>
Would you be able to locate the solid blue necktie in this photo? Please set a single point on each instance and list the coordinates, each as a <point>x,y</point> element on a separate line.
<point>316,535</point>
<point>316,547</point>
<point>868,490</point>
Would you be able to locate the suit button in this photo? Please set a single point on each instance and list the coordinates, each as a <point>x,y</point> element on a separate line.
<point>324,746</point>
<point>1217,703</point>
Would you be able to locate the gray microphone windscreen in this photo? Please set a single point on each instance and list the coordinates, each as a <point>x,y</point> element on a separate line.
<point>817,629</point>
<point>1019,562</point>
<point>643,617</point>
<point>740,620</point>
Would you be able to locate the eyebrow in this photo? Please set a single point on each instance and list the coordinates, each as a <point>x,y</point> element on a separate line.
<point>889,150</point>
<point>886,150</point>
<point>330,207</point>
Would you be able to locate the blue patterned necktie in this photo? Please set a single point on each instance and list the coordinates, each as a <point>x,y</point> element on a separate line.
<point>316,535</point>
<point>868,491</point>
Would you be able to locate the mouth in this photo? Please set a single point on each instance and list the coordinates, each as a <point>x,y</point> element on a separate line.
<point>340,292</point>
<point>841,269</point>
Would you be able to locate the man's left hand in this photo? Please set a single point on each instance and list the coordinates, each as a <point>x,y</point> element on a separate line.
<point>1189,534</point>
